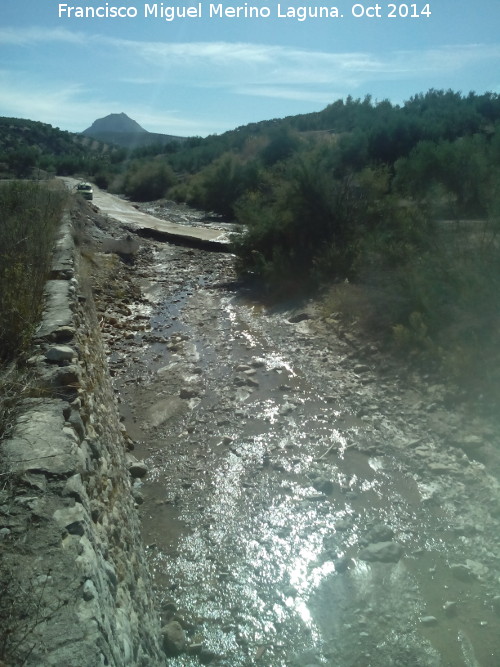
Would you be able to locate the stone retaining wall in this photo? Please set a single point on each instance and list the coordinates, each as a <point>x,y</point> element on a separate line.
<point>78,589</point>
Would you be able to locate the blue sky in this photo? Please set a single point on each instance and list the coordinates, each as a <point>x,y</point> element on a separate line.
<point>203,75</point>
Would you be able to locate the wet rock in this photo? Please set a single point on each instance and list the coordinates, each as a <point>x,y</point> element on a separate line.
<point>137,469</point>
<point>299,317</point>
<point>384,552</point>
<point>469,443</point>
<point>137,495</point>
<point>245,381</point>
<point>380,533</point>
<point>323,485</point>
<point>429,620</point>
<point>164,410</point>
<point>342,564</point>
<point>207,656</point>
<point>469,570</point>
<point>174,638</point>
<point>244,368</point>
<point>189,392</point>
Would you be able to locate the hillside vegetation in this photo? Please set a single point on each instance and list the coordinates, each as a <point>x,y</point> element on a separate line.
<point>28,147</point>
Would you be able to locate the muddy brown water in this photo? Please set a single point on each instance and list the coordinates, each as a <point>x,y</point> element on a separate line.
<point>274,460</point>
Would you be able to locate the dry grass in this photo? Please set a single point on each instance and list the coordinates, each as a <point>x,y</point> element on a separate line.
<point>30,215</point>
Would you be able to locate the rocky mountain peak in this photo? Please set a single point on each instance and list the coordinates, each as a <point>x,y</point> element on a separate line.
<point>115,122</point>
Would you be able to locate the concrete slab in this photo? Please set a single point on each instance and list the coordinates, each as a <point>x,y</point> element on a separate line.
<point>57,312</point>
<point>40,441</point>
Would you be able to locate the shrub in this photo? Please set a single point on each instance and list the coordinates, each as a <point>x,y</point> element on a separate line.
<point>30,214</point>
<point>149,181</point>
<point>219,186</point>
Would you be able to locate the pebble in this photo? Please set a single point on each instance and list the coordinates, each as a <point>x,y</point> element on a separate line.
<point>429,620</point>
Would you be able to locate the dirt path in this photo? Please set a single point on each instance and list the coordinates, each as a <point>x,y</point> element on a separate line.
<point>305,503</point>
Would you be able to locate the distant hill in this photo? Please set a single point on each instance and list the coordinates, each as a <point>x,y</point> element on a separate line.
<point>115,122</point>
<point>29,144</point>
<point>119,129</point>
<point>20,133</point>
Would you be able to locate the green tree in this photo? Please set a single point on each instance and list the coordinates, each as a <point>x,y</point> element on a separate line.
<point>148,181</point>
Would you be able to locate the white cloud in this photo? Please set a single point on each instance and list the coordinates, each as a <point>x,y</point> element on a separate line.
<point>142,77</point>
<point>32,36</point>
<point>227,64</point>
<point>285,93</point>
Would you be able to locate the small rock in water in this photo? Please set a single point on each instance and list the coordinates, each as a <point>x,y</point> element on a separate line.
<point>174,638</point>
<point>189,392</point>
<point>429,620</point>
<point>450,608</point>
<point>342,564</point>
<point>323,485</point>
<point>138,469</point>
<point>380,533</point>
<point>299,317</point>
<point>384,552</point>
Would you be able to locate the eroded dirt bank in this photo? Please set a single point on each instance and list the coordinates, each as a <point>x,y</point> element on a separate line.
<point>306,502</point>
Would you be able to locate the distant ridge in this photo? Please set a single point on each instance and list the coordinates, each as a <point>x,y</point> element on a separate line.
<point>119,129</point>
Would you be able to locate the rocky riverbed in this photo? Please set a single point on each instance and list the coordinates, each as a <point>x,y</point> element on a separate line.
<point>305,501</point>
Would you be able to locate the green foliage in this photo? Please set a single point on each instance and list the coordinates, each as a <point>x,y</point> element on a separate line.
<point>282,143</point>
<point>29,217</point>
<point>218,187</point>
<point>302,217</point>
<point>148,181</point>
<point>454,178</point>
<point>26,145</point>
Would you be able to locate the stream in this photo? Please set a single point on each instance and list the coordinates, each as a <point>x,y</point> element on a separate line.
<point>306,502</point>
